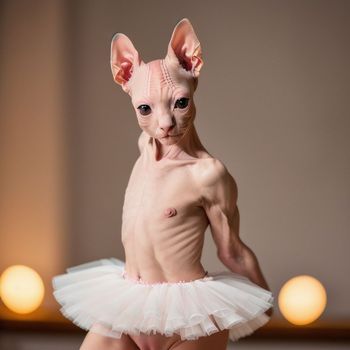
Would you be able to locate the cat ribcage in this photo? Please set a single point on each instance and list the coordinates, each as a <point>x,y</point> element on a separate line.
<point>161,212</point>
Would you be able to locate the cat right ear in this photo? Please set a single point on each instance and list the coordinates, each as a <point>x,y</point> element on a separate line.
<point>124,59</point>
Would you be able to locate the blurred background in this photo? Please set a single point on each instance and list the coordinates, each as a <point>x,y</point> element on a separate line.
<point>272,104</point>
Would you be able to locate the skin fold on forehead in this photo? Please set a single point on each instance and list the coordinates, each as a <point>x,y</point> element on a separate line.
<point>158,81</point>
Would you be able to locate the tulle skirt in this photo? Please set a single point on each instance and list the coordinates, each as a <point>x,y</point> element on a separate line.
<point>98,296</point>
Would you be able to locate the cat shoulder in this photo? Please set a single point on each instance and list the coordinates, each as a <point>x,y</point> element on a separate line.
<point>212,174</point>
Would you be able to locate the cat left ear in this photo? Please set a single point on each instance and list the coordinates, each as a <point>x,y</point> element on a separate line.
<point>124,59</point>
<point>184,47</point>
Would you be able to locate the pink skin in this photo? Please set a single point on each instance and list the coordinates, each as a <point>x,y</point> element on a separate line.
<point>176,188</point>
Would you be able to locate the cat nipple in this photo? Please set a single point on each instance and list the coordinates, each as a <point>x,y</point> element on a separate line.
<point>169,212</point>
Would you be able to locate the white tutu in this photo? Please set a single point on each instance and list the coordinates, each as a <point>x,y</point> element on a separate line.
<point>98,296</point>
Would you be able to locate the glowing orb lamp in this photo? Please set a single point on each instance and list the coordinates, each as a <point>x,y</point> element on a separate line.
<point>21,289</point>
<point>302,299</point>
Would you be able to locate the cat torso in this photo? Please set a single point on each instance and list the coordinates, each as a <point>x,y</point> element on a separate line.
<point>163,222</point>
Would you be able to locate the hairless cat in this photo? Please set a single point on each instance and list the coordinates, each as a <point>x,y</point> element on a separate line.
<point>161,297</point>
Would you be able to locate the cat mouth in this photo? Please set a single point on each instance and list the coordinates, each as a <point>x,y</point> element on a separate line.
<point>168,136</point>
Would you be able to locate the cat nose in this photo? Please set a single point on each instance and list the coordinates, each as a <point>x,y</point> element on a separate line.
<point>166,124</point>
<point>167,128</point>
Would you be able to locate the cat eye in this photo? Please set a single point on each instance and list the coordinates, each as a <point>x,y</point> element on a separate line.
<point>182,102</point>
<point>144,109</point>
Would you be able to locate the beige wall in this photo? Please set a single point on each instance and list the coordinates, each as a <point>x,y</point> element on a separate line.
<point>33,166</point>
<point>271,104</point>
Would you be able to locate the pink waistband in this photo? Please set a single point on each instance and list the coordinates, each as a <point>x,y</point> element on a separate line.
<point>125,276</point>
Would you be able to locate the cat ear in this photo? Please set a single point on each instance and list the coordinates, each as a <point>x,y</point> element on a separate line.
<point>124,58</point>
<point>184,47</point>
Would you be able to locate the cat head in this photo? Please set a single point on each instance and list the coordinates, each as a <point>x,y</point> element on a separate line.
<point>161,90</point>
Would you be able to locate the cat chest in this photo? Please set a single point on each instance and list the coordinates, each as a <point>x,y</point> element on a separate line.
<point>154,195</point>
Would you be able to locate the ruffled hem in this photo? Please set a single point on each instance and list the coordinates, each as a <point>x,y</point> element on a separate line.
<point>98,296</point>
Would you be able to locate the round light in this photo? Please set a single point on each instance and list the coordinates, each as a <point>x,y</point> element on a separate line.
<point>302,299</point>
<point>21,289</point>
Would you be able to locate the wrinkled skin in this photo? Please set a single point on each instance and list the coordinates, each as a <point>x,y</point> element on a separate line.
<point>176,188</point>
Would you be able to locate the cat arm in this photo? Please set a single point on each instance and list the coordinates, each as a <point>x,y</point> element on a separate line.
<point>219,194</point>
